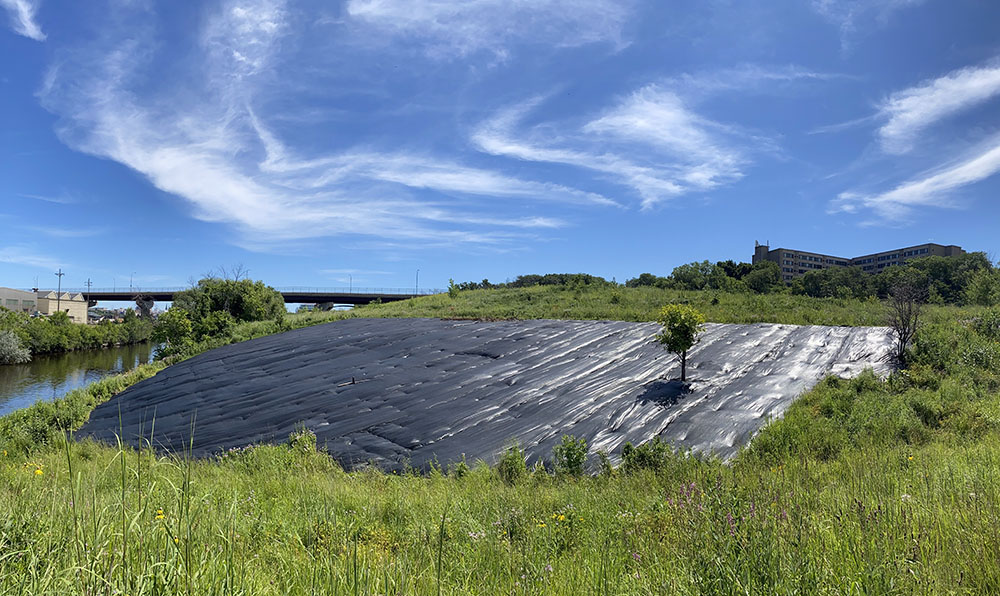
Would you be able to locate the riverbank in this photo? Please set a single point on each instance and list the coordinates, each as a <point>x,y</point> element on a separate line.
<point>49,376</point>
<point>865,486</point>
<point>57,334</point>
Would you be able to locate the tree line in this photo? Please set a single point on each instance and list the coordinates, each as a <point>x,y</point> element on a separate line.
<point>57,333</point>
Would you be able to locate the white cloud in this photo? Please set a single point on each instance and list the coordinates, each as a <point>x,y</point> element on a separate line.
<point>242,36</point>
<point>747,77</point>
<point>912,110</point>
<point>203,142</point>
<point>28,257</point>
<point>59,200</point>
<point>680,151</point>
<point>847,14</point>
<point>22,17</point>
<point>459,27</point>
<point>933,189</point>
<point>57,232</point>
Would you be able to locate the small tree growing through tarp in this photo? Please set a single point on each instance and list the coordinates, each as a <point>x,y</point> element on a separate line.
<point>681,326</point>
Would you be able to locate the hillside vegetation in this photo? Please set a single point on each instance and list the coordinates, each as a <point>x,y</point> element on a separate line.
<point>866,486</point>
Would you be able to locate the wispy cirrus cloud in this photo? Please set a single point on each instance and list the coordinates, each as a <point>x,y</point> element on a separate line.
<point>208,143</point>
<point>62,199</point>
<point>912,110</point>
<point>58,232</point>
<point>447,28</point>
<point>934,189</point>
<point>22,18</point>
<point>29,256</point>
<point>686,152</point>
<point>749,77</point>
<point>848,14</point>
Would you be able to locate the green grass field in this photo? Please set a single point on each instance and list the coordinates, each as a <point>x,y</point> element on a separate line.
<point>867,486</point>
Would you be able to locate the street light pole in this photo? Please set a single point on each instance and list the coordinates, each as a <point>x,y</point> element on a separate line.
<point>130,282</point>
<point>350,280</point>
<point>59,274</point>
<point>416,283</point>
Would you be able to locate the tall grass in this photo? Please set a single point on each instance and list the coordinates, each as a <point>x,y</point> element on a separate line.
<point>866,486</point>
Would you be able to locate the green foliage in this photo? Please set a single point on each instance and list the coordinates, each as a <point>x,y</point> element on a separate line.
<point>570,456</point>
<point>681,326</point>
<point>453,289</point>
<point>11,350</point>
<point>648,280</point>
<point>217,324</point>
<point>60,319</point>
<point>700,276</point>
<point>49,335</point>
<point>244,300</point>
<point>209,313</point>
<point>302,439</point>
<point>652,455</point>
<point>983,288</point>
<point>41,425</point>
<point>865,486</point>
<point>172,327</point>
<point>512,467</point>
<point>764,278</point>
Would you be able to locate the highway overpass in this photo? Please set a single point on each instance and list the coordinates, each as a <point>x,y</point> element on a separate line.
<point>297,295</point>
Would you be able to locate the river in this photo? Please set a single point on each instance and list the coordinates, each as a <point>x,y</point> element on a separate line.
<point>48,377</point>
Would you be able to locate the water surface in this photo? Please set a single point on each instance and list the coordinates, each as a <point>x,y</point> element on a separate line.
<point>48,377</point>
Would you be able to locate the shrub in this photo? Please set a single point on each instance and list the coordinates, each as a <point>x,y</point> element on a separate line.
<point>512,467</point>
<point>11,350</point>
<point>651,455</point>
<point>302,439</point>
<point>570,456</point>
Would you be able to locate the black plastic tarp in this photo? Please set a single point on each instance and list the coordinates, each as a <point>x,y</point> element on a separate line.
<point>410,392</point>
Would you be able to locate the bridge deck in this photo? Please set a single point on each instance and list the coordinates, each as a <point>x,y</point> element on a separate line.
<point>290,295</point>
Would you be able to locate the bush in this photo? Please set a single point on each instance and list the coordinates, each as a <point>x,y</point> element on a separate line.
<point>302,439</point>
<point>570,456</point>
<point>11,350</point>
<point>651,455</point>
<point>512,467</point>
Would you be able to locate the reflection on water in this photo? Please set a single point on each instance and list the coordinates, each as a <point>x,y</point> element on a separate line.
<point>48,377</point>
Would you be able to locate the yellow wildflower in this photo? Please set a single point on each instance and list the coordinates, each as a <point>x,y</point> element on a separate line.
<point>541,524</point>
<point>38,472</point>
<point>159,514</point>
<point>176,540</point>
<point>910,458</point>
<point>562,517</point>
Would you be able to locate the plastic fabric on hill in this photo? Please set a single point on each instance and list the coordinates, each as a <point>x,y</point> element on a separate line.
<point>409,392</point>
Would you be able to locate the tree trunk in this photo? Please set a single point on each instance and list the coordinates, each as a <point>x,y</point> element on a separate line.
<point>684,358</point>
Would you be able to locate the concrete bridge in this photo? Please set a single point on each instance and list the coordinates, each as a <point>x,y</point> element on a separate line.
<point>300,295</point>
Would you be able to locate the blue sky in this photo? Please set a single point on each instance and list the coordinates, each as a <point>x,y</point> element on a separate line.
<point>320,142</point>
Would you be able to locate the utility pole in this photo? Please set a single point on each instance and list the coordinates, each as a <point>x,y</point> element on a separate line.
<point>59,274</point>
<point>350,281</point>
<point>130,282</point>
<point>88,292</point>
<point>416,283</point>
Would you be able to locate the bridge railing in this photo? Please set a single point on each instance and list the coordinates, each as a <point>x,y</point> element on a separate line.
<point>283,290</point>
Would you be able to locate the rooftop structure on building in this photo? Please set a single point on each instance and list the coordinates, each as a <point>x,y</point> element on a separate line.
<point>46,302</point>
<point>796,263</point>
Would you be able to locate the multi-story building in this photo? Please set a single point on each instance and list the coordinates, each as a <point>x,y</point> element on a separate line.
<point>796,263</point>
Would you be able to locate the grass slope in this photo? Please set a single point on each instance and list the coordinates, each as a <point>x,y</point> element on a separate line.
<point>866,486</point>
